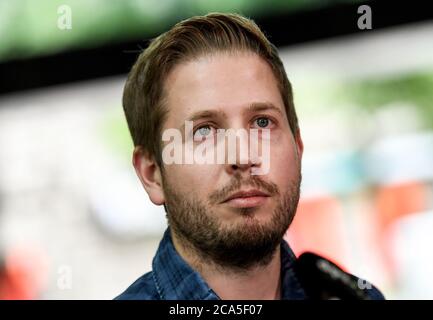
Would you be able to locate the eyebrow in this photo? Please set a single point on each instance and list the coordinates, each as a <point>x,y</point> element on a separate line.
<point>205,114</point>
<point>264,106</point>
<point>253,107</point>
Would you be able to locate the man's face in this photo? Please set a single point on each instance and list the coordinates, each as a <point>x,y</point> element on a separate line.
<point>245,230</point>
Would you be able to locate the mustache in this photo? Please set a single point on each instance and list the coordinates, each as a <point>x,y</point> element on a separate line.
<point>237,183</point>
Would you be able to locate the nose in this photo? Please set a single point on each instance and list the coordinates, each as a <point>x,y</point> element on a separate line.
<point>241,167</point>
<point>244,162</point>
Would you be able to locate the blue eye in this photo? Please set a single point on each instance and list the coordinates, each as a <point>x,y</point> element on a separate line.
<point>262,122</point>
<point>202,132</point>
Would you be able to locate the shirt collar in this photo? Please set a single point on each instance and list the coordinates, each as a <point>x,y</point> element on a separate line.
<point>176,280</point>
<point>290,285</point>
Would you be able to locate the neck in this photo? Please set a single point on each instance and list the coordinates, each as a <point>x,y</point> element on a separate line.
<point>256,283</point>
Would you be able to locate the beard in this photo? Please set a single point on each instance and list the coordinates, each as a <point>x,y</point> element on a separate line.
<point>238,246</point>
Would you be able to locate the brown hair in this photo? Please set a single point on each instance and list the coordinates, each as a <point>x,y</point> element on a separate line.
<point>143,99</point>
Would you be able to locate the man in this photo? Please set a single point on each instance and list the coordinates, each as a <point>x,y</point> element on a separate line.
<point>226,219</point>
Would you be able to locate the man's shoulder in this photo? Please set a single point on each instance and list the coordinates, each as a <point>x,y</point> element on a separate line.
<point>143,288</point>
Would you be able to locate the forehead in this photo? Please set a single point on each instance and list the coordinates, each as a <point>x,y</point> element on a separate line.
<point>226,82</point>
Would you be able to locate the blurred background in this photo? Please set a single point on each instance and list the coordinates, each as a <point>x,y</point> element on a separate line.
<point>75,222</point>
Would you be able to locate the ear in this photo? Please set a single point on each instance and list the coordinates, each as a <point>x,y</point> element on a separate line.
<point>299,144</point>
<point>149,174</point>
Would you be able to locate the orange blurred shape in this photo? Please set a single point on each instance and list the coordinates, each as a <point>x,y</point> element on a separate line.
<point>394,202</point>
<point>319,227</point>
<point>24,274</point>
<point>398,200</point>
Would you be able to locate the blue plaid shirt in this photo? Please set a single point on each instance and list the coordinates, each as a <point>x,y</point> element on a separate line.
<point>172,278</point>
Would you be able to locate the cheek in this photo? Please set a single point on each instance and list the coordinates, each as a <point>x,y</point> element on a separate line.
<point>191,179</point>
<point>284,165</point>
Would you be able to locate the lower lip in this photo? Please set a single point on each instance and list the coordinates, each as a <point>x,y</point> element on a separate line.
<point>247,202</point>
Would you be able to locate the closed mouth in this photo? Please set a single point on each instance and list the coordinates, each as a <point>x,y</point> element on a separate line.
<point>246,194</point>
